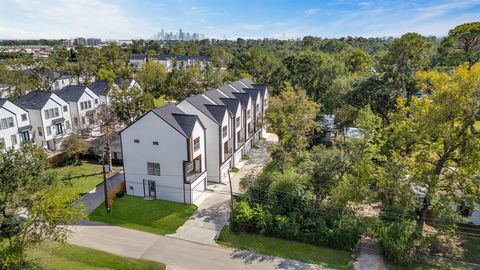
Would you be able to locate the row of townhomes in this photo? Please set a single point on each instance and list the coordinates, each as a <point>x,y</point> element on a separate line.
<point>171,152</point>
<point>46,118</point>
<point>168,61</point>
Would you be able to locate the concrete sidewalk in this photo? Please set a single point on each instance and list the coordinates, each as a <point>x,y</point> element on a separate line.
<point>175,253</point>
<point>96,196</point>
<point>213,211</point>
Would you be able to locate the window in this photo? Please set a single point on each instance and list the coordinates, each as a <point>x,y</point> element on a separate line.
<point>85,105</point>
<point>51,113</point>
<point>96,101</point>
<point>14,139</point>
<point>40,131</point>
<point>24,117</point>
<point>155,143</point>
<point>59,128</point>
<point>67,124</point>
<point>224,131</point>
<point>153,168</point>
<point>49,131</point>
<point>75,121</point>
<point>248,114</point>
<point>196,144</point>
<point>65,108</point>
<point>237,122</point>
<point>6,123</point>
<point>136,141</point>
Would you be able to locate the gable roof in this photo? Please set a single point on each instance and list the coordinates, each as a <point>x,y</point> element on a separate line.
<point>2,101</point>
<point>99,87</point>
<point>261,87</point>
<point>138,57</point>
<point>238,85</point>
<point>34,100</point>
<point>218,111</point>
<point>179,120</point>
<point>200,101</point>
<point>119,81</point>
<point>243,97</point>
<point>71,93</point>
<point>253,92</point>
<point>247,82</point>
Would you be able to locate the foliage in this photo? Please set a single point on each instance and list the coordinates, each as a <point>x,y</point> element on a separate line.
<point>32,204</point>
<point>109,123</point>
<point>130,102</point>
<point>467,39</point>
<point>398,240</point>
<point>152,77</point>
<point>74,145</point>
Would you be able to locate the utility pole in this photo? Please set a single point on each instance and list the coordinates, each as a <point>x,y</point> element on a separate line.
<point>105,170</point>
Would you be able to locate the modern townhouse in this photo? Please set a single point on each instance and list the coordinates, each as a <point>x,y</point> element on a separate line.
<point>14,125</point>
<point>219,124</point>
<point>101,88</point>
<point>235,108</point>
<point>49,117</point>
<point>137,61</point>
<point>165,155</point>
<point>83,103</point>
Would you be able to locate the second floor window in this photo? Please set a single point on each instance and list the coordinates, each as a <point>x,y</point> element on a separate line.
<point>85,105</point>
<point>51,113</point>
<point>237,122</point>
<point>224,131</point>
<point>65,108</point>
<point>24,117</point>
<point>153,168</point>
<point>6,123</point>
<point>196,144</point>
<point>248,114</point>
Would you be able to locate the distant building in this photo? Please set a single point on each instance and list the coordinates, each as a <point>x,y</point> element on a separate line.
<point>80,41</point>
<point>93,42</point>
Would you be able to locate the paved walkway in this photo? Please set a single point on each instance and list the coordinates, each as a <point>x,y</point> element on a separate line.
<point>370,256</point>
<point>175,253</point>
<point>213,211</point>
<point>96,196</point>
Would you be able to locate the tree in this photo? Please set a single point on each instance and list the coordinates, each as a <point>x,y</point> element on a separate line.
<point>152,77</point>
<point>34,205</point>
<point>221,58</point>
<point>467,38</point>
<point>109,124</point>
<point>75,145</point>
<point>183,83</point>
<point>105,75</point>
<point>357,61</point>
<point>130,102</point>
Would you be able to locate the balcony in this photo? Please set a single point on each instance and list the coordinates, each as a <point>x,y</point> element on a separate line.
<point>227,149</point>
<point>192,169</point>
<point>240,136</point>
<point>251,129</point>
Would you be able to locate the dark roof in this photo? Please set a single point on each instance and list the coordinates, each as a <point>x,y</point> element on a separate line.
<point>2,101</point>
<point>218,111</point>
<point>247,82</point>
<point>221,99</point>
<point>243,97</point>
<point>182,122</point>
<point>232,104</point>
<point>253,92</point>
<point>215,95</point>
<point>138,57</point>
<point>238,85</point>
<point>119,81</point>
<point>261,87</point>
<point>99,87</point>
<point>200,102</point>
<point>71,93</point>
<point>34,100</point>
<point>227,90</point>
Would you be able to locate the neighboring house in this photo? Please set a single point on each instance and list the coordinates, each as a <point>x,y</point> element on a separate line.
<point>170,61</point>
<point>83,103</point>
<point>14,125</point>
<point>57,80</point>
<point>219,124</point>
<point>102,88</point>
<point>49,117</point>
<point>164,155</point>
<point>137,61</point>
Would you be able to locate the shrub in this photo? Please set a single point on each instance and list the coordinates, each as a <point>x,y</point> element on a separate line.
<point>235,169</point>
<point>398,240</point>
<point>246,157</point>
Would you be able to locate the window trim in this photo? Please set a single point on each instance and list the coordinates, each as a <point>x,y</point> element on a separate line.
<point>153,168</point>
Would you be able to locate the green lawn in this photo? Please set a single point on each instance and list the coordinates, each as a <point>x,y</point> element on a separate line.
<point>156,216</point>
<point>82,178</point>
<point>57,256</point>
<point>327,257</point>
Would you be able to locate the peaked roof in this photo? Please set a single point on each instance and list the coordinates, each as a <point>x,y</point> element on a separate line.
<point>231,103</point>
<point>34,100</point>
<point>247,82</point>
<point>243,97</point>
<point>119,81</point>
<point>71,93</point>
<point>238,85</point>
<point>218,111</point>
<point>261,87</point>
<point>138,57</point>
<point>99,87</point>
<point>200,102</point>
<point>182,122</point>
<point>2,101</point>
<point>253,92</point>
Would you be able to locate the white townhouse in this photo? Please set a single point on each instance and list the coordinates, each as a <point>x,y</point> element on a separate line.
<point>219,124</point>
<point>102,88</point>
<point>14,125</point>
<point>49,117</point>
<point>137,61</point>
<point>83,103</point>
<point>164,155</point>
<point>234,107</point>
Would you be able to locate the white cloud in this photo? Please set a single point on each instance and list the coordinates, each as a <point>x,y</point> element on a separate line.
<point>66,19</point>
<point>311,11</point>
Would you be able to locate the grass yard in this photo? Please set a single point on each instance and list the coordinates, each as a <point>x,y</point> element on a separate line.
<point>82,178</point>
<point>57,256</point>
<point>156,216</point>
<point>323,256</point>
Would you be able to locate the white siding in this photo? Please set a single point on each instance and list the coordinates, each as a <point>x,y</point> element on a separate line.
<point>11,110</point>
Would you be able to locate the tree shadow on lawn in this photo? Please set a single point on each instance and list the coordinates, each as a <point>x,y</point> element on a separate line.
<point>252,257</point>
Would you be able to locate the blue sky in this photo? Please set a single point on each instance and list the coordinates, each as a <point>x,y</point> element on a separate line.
<point>122,19</point>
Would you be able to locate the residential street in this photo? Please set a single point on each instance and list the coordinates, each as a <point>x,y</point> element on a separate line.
<point>214,206</point>
<point>175,253</point>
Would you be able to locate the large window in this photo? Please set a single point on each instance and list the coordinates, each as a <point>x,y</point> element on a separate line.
<point>6,123</point>
<point>153,168</point>
<point>51,113</point>
<point>237,122</point>
<point>85,105</point>
<point>196,144</point>
<point>225,131</point>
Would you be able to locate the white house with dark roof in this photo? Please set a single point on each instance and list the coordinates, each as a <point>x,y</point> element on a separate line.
<point>164,155</point>
<point>102,88</point>
<point>14,125</point>
<point>137,61</point>
<point>83,103</point>
<point>219,124</point>
<point>49,117</point>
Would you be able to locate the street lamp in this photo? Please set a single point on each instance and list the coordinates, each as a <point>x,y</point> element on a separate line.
<point>106,169</point>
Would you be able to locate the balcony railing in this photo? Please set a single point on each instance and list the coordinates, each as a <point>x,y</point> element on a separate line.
<point>191,173</point>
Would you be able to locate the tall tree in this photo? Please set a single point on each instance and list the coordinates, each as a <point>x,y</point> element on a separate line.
<point>152,77</point>
<point>130,102</point>
<point>467,38</point>
<point>74,146</point>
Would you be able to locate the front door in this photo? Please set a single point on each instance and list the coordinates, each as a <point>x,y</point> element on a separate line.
<point>151,189</point>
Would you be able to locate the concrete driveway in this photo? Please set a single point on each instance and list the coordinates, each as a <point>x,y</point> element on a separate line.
<point>213,211</point>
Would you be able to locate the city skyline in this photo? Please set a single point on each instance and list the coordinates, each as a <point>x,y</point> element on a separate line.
<point>128,19</point>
